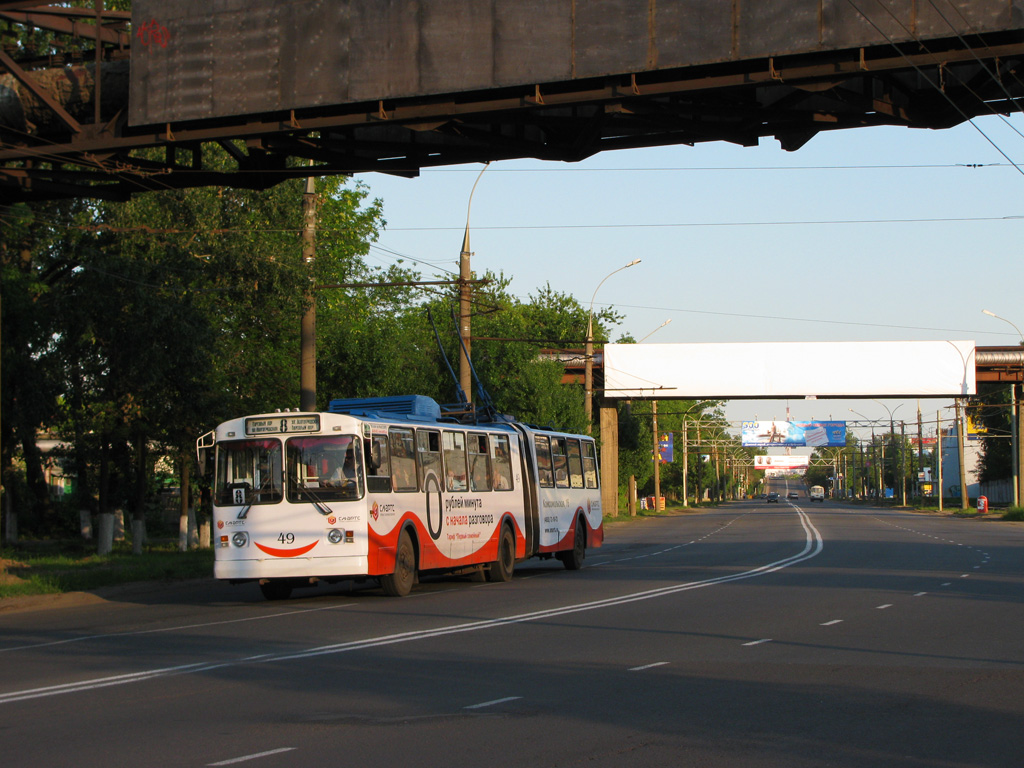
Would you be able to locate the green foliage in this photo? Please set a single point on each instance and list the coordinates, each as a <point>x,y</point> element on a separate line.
<point>990,410</point>
<point>69,568</point>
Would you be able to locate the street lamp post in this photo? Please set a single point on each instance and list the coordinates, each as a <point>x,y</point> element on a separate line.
<point>880,488</point>
<point>892,443</point>
<point>588,363</point>
<point>686,452</point>
<point>1018,491</point>
<point>465,303</point>
<point>657,441</point>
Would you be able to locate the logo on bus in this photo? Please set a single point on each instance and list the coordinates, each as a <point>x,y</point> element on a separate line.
<point>374,511</point>
<point>332,520</point>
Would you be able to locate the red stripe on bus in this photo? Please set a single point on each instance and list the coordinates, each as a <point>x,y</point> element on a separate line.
<point>286,552</point>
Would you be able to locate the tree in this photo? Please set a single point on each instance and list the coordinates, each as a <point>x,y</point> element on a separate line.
<point>990,411</point>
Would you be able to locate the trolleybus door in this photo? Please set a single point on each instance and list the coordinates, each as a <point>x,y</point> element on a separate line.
<point>428,455</point>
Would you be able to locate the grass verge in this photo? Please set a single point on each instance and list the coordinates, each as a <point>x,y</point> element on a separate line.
<point>52,567</point>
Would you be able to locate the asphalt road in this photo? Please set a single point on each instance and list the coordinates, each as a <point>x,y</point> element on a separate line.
<point>751,635</point>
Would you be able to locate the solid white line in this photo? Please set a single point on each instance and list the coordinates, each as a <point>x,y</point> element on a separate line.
<point>758,642</point>
<point>492,703</point>
<point>830,623</point>
<point>648,666</point>
<point>813,546</point>
<point>242,759</point>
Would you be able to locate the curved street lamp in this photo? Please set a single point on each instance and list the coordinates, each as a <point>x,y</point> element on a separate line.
<point>588,364</point>
<point>465,302</point>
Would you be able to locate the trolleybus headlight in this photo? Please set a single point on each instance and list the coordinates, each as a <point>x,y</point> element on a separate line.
<point>334,535</point>
<point>240,538</point>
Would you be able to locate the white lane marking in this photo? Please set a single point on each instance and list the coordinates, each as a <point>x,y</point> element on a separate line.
<point>758,642</point>
<point>813,546</point>
<point>920,594</point>
<point>946,584</point>
<point>964,575</point>
<point>175,629</point>
<point>648,666</point>
<point>883,607</point>
<point>492,703</point>
<point>830,623</point>
<point>242,759</point>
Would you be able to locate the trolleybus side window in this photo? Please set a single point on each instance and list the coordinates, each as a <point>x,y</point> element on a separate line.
<point>378,464</point>
<point>540,442</point>
<point>454,444</point>
<point>403,459</point>
<point>428,454</point>
<point>589,464</point>
<point>501,464</point>
<point>479,471</point>
<point>324,469</point>
<point>248,472</point>
<point>560,464</point>
<point>575,464</point>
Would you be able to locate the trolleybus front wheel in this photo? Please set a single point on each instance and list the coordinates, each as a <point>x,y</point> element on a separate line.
<point>399,583</point>
<point>275,589</point>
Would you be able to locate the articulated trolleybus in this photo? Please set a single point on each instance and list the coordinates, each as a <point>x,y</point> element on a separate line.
<point>388,488</point>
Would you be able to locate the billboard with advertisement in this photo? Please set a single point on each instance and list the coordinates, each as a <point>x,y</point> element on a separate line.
<point>665,450</point>
<point>794,434</point>
<point>782,462</point>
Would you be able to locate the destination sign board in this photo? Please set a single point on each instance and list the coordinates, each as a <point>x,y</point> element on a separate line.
<point>283,424</point>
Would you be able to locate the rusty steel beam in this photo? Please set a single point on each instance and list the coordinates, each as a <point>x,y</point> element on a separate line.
<point>791,98</point>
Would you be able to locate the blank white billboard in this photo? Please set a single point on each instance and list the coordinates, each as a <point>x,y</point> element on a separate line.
<point>848,369</point>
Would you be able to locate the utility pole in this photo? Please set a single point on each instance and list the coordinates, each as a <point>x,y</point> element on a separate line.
<point>903,463</point>
<point>938,448</point>
<point>307,353</point>
<point>960,452</point>
<point>920,449</point>
<point>465,303</point>
<point>686,453</point>
<point>657,458</point>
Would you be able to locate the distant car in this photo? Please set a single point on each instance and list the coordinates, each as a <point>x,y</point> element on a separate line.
<point>773,496</point>
<point>792,495</point>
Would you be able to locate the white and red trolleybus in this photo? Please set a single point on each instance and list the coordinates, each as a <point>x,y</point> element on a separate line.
<point>389,488</point>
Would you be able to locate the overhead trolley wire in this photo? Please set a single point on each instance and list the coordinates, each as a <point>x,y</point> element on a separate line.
<point>927,79</point>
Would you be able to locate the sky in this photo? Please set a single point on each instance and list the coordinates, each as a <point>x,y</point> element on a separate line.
<point>869,234</point>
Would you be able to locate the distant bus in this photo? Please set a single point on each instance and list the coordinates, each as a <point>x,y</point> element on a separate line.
<point>390,488</point>
<point>817,493</point>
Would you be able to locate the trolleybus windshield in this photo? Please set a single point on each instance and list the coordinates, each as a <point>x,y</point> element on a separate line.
<point>325,468</point>
<point>248,472</point>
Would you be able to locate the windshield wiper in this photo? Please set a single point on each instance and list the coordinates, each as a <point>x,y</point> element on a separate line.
<point>320,505</point>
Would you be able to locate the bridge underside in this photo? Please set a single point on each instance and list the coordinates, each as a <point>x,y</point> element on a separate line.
<point>96,153</point>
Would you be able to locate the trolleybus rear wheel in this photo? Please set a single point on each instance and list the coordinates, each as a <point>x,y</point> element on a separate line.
<point>399,583</point>
<point>573,558</point>
<point>502,568</point>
